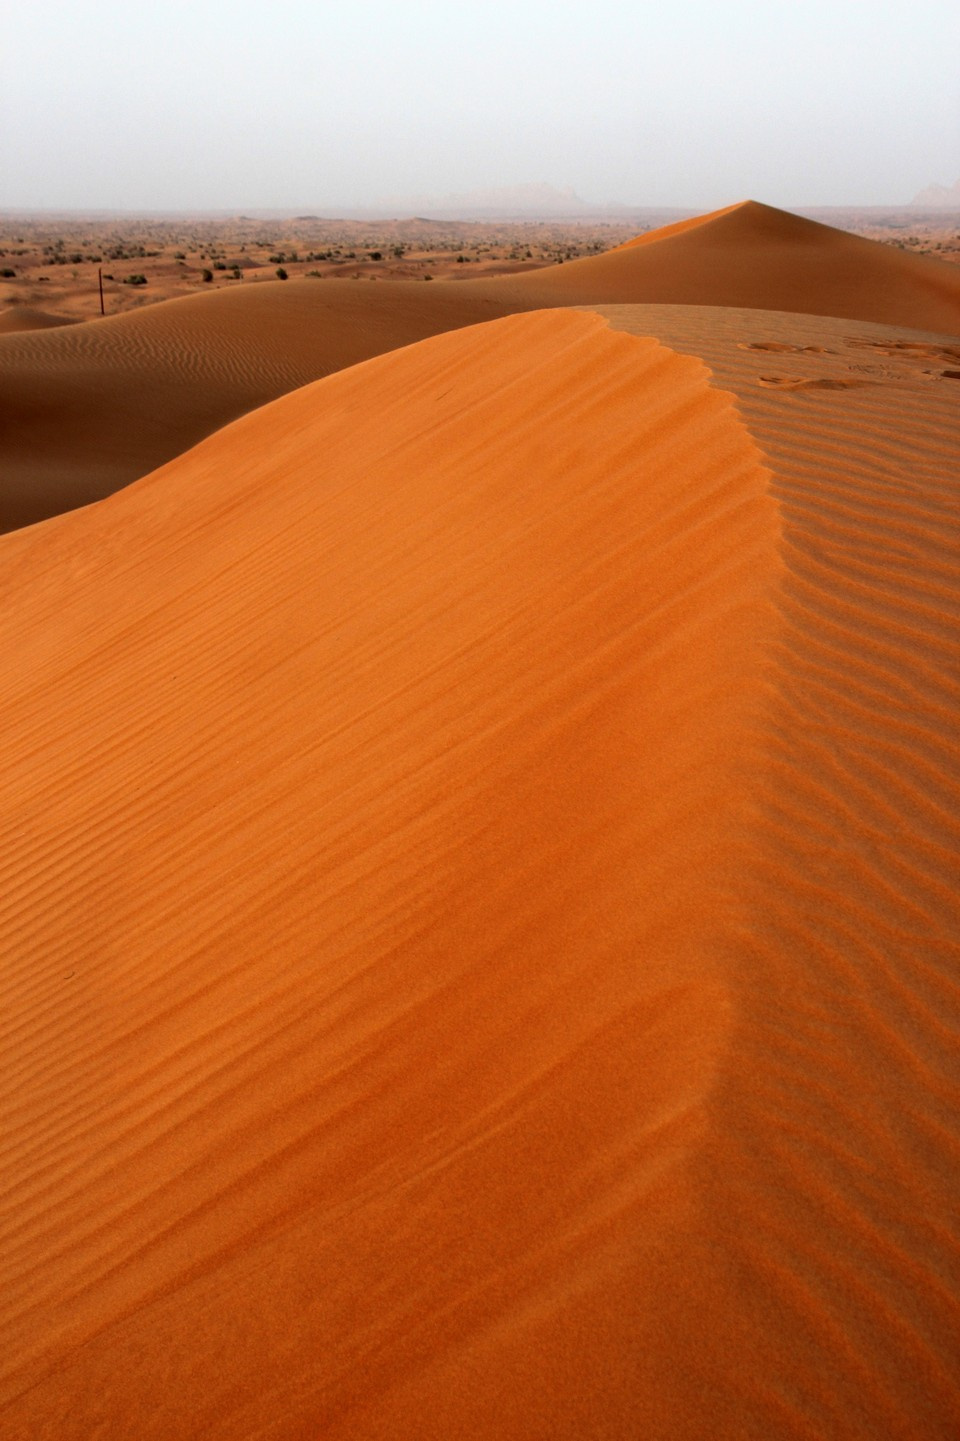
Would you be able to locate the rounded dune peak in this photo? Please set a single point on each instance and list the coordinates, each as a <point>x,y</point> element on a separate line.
<point>747,219</point>
<point>754,256</point>
<point>680,227</point>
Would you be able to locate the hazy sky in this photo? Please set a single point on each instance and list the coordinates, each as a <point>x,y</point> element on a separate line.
<point>311,105</point>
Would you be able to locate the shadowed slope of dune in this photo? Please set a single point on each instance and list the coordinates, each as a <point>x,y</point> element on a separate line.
<point>88,409</point>
<point>372,776</point>
<point>834,1156</point>
<point>25,317</point>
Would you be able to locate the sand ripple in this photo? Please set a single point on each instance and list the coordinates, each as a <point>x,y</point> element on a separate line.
<point>369,775</point>
<point>478,903</point>
<point>831,1172</point>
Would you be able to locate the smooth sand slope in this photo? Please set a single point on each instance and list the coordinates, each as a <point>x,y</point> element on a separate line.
<point>27,317</point>
<point>88,409</point>
<point>359,1025</point>
<point>480,948</point>
<point>757,257</point>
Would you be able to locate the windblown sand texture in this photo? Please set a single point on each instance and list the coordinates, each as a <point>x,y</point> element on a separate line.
<point>88,408</point>
<point>479,911</point>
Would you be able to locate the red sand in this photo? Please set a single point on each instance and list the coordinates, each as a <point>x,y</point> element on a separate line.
<point>479,913</point>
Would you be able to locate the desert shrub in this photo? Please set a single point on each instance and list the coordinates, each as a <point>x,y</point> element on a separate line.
<point>206,275</point>
<point>235,274</point>
<point>219,265</point>
<point>135,280</point>
<point>375,254</point>
<point>281,273</point>
<point>7,273</point>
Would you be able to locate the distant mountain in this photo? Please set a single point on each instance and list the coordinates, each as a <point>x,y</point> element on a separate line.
<point>939,197</point>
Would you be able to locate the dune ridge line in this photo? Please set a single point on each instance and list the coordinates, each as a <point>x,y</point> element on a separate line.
<point>88,408</point>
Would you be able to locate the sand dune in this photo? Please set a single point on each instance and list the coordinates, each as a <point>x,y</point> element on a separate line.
<point>757,257</point>
<point>88,409</point>
<point>839,1109</point>
<point>27,317</point>
<point>480,952</point>
<point>354,786</point>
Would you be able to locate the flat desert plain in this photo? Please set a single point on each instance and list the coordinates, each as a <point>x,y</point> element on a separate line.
<point>479,838</point>
<point>51,267</point>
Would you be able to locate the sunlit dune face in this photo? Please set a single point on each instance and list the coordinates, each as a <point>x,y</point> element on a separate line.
<point>478,832</point>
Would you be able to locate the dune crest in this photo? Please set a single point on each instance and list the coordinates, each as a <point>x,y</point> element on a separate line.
<point>758,257</point>
<point>87,409</point>
<point>679,227</point>
<point>747,222</point>
<point>834,1145</point>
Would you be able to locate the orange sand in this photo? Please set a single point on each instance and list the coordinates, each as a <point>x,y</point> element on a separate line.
<point>89,408</point>
<point>26,317</point>
<point>760,258</point>
<point>479,911</point>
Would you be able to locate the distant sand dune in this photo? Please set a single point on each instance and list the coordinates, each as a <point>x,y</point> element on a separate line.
<point>756,257</point>
<point>25,317</point>
<point>89,408</point>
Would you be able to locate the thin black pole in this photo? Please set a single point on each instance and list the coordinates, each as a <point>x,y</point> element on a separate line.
<point>100,278</point>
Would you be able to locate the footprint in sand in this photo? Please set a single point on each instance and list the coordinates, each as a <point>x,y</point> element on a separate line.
<point>780,347</point>
<point>791,382</point>
<point>909,349</point>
